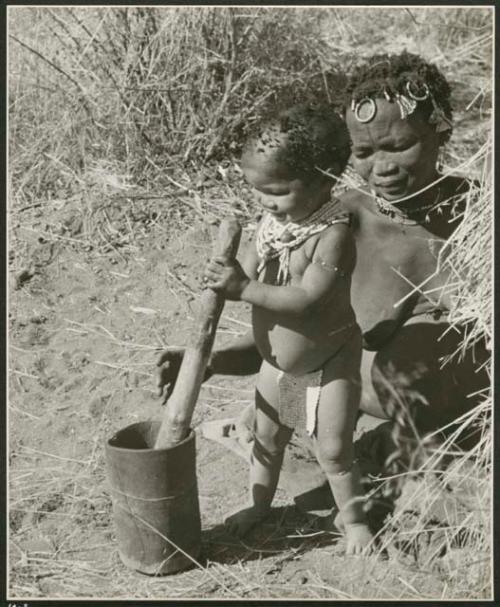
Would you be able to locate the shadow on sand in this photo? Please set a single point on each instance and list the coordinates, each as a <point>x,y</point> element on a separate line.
<point>287,531</point>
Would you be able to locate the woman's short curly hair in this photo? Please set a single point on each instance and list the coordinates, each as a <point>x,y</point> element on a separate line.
<point>386,74</point>
<point>316,137</point>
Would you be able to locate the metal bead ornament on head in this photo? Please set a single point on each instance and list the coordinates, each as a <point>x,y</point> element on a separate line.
<point>365,109</point>
<point>415,96</point>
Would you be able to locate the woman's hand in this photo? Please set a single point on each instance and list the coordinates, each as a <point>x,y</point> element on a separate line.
<point>226,277</point>
<point>168,365</point>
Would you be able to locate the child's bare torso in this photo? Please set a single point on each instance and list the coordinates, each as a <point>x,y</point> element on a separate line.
<point>392,261</point>
<point>299,344</point>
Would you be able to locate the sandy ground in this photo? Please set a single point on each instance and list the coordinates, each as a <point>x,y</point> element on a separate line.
<point>85,330</point>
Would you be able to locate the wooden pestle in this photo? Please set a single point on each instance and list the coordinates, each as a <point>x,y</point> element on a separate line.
<point>180,406</point>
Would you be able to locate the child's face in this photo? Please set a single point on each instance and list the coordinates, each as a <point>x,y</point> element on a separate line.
<point>279,192</point>
<point>396,156</point>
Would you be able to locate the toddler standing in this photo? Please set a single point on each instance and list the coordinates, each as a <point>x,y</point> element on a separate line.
<point>297,276</point>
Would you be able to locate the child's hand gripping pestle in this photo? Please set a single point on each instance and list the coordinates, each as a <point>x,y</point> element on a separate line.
<point>179,409</point>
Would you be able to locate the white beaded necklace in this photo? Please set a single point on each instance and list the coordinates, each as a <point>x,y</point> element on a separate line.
<point>276,240</point>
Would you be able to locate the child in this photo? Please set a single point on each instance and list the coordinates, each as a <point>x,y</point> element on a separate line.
<point>297,277</point>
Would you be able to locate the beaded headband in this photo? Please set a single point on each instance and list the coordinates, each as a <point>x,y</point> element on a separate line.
<point>365,109</point>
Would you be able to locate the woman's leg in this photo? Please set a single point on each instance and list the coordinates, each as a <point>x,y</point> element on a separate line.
<point>422,388</point>
<point>418,388</point>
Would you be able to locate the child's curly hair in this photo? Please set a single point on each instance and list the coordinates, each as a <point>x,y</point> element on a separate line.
<point>316,137</point>
<point>386,74</point>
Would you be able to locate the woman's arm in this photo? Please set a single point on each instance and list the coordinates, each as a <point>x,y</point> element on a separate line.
<point>239,357</point>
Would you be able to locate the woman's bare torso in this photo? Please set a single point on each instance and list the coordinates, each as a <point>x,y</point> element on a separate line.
<point>299,344</point>
<point>396,275</point>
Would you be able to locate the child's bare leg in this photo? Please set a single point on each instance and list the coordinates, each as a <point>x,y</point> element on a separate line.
<point>336,420</point>
<point>270,441</point>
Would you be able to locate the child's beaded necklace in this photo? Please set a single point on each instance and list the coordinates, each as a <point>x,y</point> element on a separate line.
<point>276,240</point>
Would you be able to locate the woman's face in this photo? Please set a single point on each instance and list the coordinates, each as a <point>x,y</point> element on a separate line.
<point>396,156</point>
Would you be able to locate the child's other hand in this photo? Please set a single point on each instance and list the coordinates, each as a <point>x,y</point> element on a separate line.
<point>226,276</point>
<point>169,363</point>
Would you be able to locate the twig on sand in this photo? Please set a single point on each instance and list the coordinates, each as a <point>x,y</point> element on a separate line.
<point>23,412</point>
<point>226,389</point>
<point>121,368</point>
<point>110,335</point>
<point>237,321</point>
<point>65,459</point>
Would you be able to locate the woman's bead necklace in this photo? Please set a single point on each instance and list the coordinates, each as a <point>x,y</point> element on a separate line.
<point>401,217</point>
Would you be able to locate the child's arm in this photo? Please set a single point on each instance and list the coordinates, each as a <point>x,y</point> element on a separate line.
<point>333,257</point>
<point>240,356</point>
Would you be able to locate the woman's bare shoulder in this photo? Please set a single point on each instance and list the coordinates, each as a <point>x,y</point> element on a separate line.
<point>354,199</point>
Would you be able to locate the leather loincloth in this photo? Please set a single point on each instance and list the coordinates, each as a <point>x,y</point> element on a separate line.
<point>299,399</point>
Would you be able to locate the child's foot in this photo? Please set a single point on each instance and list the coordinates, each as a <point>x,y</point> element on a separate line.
<point>359,539</point>
<point>242,522</point>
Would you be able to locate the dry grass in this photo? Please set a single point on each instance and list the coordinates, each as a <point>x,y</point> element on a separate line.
<point>124,125</point>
